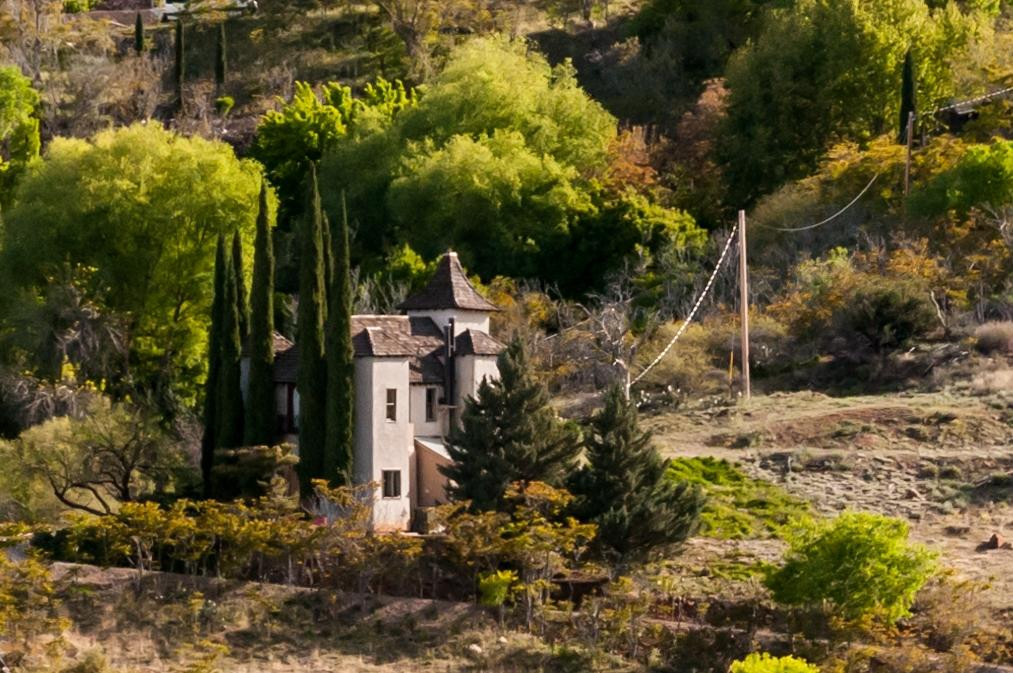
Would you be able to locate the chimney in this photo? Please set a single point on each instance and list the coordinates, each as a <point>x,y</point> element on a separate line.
<point>450,371</point>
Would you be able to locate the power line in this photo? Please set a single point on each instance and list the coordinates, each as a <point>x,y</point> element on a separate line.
<point>696,306</point>
<point>829,219</point>
<point>971,101</point>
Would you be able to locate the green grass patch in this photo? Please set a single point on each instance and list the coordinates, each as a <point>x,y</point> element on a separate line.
<point>738,506</point>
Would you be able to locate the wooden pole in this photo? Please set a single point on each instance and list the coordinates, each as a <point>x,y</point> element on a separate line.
<point>907,162</point>
<point>744,305</point>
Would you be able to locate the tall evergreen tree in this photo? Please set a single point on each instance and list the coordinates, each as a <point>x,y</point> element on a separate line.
<point>338,454</point>
<point>242,300</point>
<point>180,65</point>
<point>209,442</point>
<point>138,34</point>
<point>259,428</point>
<point>230,394</point>
<point>509,433</point>
<point>625,490</point>
<point>907,95</point>
<point>312,376</point>
<point>220,58</point>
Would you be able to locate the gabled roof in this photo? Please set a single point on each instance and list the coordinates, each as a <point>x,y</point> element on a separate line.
<point>448,288</point>
<point>473,342</point>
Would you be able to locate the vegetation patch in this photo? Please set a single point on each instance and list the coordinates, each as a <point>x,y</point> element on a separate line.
<point>738,507</point>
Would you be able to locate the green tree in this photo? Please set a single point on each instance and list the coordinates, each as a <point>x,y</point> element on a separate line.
<point>259,427</point>
<point>907,96</point>
<point>312,376</point>
<point>19,129</point>
<point>509,433</point>
<point>220,57</point>
<point>154,204</point>
<point>242,300</point>
<point>212,401</point>
<point>338,454</point>
<point>179,66</point>
<point>624,488</point>
<point>981,179</point>
<point>861,564</point>
<point>230,394</point>
<point>823,71</point>
<point>138,34</point>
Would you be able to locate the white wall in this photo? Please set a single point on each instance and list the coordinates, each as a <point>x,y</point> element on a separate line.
<point>471,369</point>
<point>417,404</point>
<point>477,320</point>
<point>381,444</point>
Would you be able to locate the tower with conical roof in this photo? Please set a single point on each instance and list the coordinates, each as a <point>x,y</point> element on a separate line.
<point>450,298</point>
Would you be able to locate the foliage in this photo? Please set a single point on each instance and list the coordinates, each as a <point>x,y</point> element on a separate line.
<point>113,454</point>
<point>154,204</point>
<point>229,425</point>
<point>261,407</point>
<point>764,663</point>
<point>29,615</point>
<point>309,125</point>
<point>982,178</point>
<point>312,374</point>
<point>508,433</point>
<point>861,564</point>
<point>624,489</point>
<point>737,506</point>
<point>252,471</point>
<point>494,587</point>
<point>19,129</point>
<point>994,337</point>
<point>786,108</point>
<point>340,430</point>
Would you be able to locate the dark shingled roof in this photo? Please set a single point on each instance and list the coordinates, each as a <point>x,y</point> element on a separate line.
<point>473,342</point>
<point>417,338</point>
<point>448,288</point>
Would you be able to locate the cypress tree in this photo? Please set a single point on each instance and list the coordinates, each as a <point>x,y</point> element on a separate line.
<point>625,490</point>
<point>242,301</point>
<point>178,72</point>
<point>138,34</point>
<point>509,433</point>
<point>312,375</point>
<point>907,96</point>
<point>209,442</point>
<point>230,394</point>
<point>220,64</point>
<point>259,428</point>
<point>339,450</point>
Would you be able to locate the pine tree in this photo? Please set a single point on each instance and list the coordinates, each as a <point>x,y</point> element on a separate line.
<point>242,301</point>
<point>625,490</point>
<point>312,376</point>
<point>138,34</point>
<point>230,394</point>
<point>220,58</point>
<point>209,442</point>
<point>509,433</point>
<point>907,96</point>
<point>259,428</point>
<point>339,452</point>
<point>180,66</point>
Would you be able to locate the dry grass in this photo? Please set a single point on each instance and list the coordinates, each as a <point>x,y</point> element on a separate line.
<point>995,338</point>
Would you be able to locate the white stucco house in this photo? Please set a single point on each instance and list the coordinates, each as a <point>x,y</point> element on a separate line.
<point>412,373</point>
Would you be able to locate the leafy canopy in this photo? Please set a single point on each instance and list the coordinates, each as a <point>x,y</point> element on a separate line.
<point>860,563</point>
<point>764,663</point>
<point>19,128</point>
<point>141,208</point>
<point>830,70</point>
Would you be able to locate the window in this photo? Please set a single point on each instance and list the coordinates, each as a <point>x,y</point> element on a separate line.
<point>392,483</point>
<point>391,404</point>
<point>430,405</point>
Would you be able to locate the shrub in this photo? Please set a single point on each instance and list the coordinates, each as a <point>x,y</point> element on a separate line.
<point>764,663</point>
<point>859,563</point>
<point>884,313</point>
<point>494,587</point>
<point>224,105</point>
<point>994,337</point>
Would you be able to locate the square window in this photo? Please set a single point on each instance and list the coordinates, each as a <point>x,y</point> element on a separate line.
<point>391,404</point>
<point>392,483</point>
<point>430,405</point>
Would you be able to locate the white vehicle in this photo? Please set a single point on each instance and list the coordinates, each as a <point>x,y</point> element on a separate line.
<point>170,11</point>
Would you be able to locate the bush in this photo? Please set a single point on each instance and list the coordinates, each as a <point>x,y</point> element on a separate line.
<point>884,314</point>
<point>859,563</point>
<point>764,663</point>
<point>994,337</point>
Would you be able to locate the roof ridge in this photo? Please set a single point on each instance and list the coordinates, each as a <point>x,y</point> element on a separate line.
<point>448,287</point>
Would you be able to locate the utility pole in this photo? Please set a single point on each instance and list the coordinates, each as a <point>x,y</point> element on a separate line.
<point>744,305</point>
<point>910,141</point>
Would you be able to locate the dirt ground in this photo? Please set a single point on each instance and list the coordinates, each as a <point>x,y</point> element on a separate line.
<point>943,461</point>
